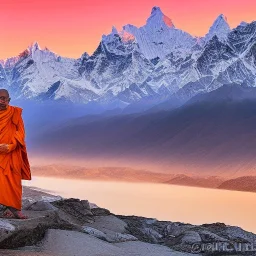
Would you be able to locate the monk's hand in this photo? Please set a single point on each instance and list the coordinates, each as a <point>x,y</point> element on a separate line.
<point>4,148</point>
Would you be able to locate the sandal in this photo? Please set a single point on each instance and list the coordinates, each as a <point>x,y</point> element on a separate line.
<point>17,214</point>
<point>12,214</point>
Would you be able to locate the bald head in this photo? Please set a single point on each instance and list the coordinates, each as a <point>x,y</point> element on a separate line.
<point>4,99</point>
<point>4,91</point>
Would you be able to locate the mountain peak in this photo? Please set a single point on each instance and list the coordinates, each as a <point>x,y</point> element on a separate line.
<point>158,18</point>
<point>114,30</point>
<point>156,9</point>
<point>220,28</point>
<point>35,45</point>
<point>243,23</point>
<point>222,17</point>
<point>221,21</point>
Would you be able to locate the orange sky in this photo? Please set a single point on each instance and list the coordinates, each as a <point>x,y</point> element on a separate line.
<point>71,27</point>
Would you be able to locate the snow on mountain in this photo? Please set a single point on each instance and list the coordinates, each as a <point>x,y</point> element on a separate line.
<point>114,67</point>
<point>38,71</point>
<point>157,19</point>
<point>220,28</point>
<point>119,42</point>
<point>159,37</point>
<point>9,62</point>
<point>152,62</point>
<point>3,77</point>
<point>225,63</point>
<point>6,67</point>
<point>243,23</point>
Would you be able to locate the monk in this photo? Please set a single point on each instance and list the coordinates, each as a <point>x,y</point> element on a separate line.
<point>14,164</point>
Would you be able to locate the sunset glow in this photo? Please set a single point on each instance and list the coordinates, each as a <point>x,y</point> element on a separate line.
<point>70,28</point>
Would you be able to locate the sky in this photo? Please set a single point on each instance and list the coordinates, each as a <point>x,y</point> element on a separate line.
<point>72,27</point>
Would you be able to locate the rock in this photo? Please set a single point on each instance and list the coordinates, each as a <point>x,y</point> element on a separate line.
<point>151,221</point>
<point>72,243</point>
<point>100,211</point>
<point>80,209</point>
<point>113,228</point>
<point>144,229</point>
<point>1,207</point>
<point>141,229</point>
<point>232,233</point>
<point>174,229</point>
<point>237,234</point>
<point>217,225</point>
<point>86,204</point>
<point>92,205</point>
<point>66,217</point>
<point>26,203</point>
<point>153,234</point>
<point>109,223</point>
<point>208,236</point>
<point>41,206</point>
<point>191,237</point>
<point>95,232</point>
<point>119,237</point>
<point>33,194</point>
<point>184,242</point>
<point>51,198</point>
<point>29,201</point>
<point>18,233</point>
<point>5,226</point>
<point>54,225</point>
<point>182,236</point>
<point>109,235</point>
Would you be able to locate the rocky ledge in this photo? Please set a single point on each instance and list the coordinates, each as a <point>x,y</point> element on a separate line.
<point>64,227</point>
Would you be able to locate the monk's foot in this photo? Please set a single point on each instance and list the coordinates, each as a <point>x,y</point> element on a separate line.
<point>12,213</point>
<point>18,214</point>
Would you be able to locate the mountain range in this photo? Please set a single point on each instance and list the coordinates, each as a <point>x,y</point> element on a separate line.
<point>153,97</point>
<point>242,183</point>
<point>153,63</point>
<point>211,134</point>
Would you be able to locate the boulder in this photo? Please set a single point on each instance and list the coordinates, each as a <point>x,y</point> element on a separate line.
<point>80,209</point>
<point>94,232</point>
<point>100,211</point>
<point>18,233</point>
<point>41,206</point>
<point>120,237</point>
<point>191,237</point>
<point>174,229</point>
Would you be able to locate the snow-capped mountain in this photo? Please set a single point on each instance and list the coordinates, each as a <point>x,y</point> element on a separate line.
<point>39,73</point>
<point>155,61</point>
<point>159,36</point>
<point>220,28</point>
<point>118,61</point>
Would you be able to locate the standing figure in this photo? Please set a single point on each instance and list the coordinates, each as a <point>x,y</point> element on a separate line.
<point>14,164</point>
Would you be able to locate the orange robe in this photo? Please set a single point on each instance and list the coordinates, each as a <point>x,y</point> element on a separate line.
<point>14,165</point>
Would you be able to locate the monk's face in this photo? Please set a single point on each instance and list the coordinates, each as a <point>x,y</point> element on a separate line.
<point>4,100</point>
